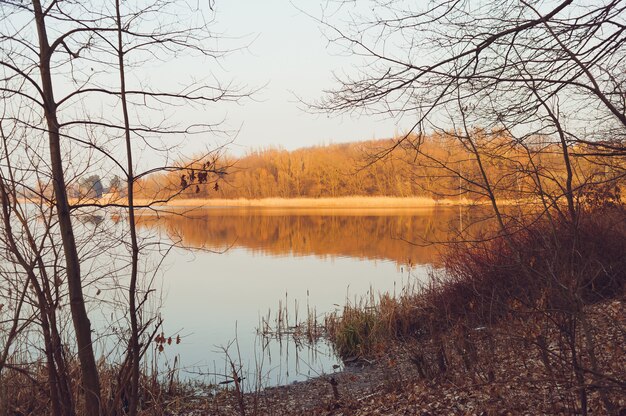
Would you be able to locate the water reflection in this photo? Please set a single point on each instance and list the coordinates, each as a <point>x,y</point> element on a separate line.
<point>404,236</point>
<point>303,259</point>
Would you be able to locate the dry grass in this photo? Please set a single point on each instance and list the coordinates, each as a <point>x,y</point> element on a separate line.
<point>363,202</point>
<point>366,328</point>
<point>25,390</point>
<point>339,202</point>
<point>342,202</point>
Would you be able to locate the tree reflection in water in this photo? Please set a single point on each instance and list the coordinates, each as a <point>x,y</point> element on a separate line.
<point>404,236</point>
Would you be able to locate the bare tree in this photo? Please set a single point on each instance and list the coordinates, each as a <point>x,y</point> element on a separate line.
<point>551,71</point>
<point>75,78</point>
<point>536,86</point>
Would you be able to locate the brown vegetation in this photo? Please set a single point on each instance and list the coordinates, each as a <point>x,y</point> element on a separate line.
<point>55,146</point>
<point>357,169</point>
<point>554,300</point>
<point>508,376</point>
<point>358,202</point>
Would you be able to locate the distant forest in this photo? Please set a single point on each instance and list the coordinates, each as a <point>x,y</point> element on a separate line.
<point>430,168</point>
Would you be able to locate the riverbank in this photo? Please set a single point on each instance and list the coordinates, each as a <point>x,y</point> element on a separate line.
<point>500,332</point>
<point>506,378</point>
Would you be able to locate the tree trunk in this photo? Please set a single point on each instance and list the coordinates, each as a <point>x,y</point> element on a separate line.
<point>134,348</point>
<point>82,326</point>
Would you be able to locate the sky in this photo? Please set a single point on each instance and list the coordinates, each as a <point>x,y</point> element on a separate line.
<point>288,57</point>
<point>278,51</point>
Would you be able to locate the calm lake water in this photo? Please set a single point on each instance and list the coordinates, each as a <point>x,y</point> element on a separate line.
<point>244,265</point>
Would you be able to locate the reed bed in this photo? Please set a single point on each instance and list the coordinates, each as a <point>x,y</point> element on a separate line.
<point>288,322</point>
<point>341,202</point>
<point>356,201</point>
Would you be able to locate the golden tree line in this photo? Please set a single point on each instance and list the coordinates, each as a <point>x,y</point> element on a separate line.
<point>435,166</point>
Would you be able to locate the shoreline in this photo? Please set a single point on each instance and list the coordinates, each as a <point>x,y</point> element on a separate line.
<point>364,202</point>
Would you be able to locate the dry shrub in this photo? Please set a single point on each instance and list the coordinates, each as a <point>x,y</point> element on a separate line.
<point>556,266</point>
<point>24,390</point>
<point>545,266</point>
<point>538,309</point>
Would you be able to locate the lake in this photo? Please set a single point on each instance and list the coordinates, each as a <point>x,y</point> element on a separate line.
<point>237,267</point>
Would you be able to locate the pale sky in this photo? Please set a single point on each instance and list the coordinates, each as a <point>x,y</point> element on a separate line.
<point>279,51</point>
<point>291,57</point>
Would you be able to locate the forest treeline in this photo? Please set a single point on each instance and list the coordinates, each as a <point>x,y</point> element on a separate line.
<point>428,167</point>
